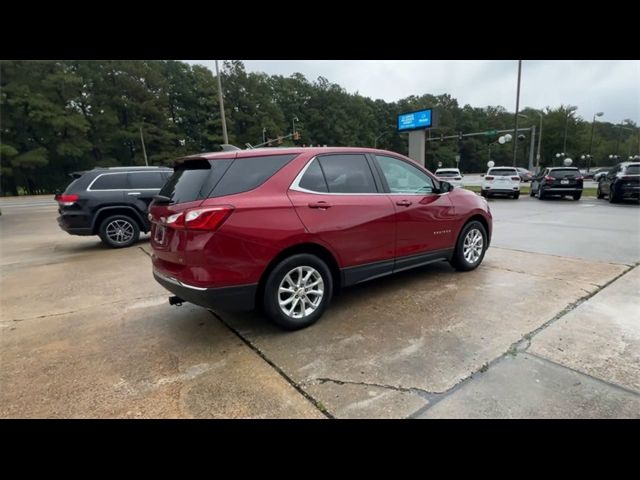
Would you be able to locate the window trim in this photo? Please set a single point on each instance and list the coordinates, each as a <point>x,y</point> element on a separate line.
<point>89,189</point>
<point>295,185</point>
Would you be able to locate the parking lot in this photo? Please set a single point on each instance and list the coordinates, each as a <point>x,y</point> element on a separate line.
<point>546,327</point>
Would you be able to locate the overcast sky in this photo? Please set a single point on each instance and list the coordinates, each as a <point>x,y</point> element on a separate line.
<point>612,87</point>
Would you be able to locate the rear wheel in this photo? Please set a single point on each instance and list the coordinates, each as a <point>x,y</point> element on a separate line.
<point>576,196</point>
<point>297,291</point>
<point>516,195</point>
<point>118,231</point>
<point>613,198</point>
<point>539,194</point>
<point>531,192</point>
<point>471,246</point>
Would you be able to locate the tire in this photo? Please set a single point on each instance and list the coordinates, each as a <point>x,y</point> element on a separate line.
<point>119,226</point>
<point>576,196</point>
<point>290,267</point>
<point>459,261</point>
<point>531,193</point>
<point>613,198</point>
<point>516,196</point>
<point>484,194</point>
<point>539,194</point>
<point>599,192</point>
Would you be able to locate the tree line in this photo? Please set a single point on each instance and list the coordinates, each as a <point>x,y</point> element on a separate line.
<point>58,117</point>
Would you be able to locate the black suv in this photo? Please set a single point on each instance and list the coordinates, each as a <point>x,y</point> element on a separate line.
<point>110,202</point>
<point>621,182</point>
<point>557,181</point>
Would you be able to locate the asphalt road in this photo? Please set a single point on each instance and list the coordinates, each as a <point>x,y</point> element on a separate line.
<point>545,327</point>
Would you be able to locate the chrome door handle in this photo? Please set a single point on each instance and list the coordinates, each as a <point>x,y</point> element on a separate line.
<point>403,203</point>
<point>133,193</point>
<point>320,204</point>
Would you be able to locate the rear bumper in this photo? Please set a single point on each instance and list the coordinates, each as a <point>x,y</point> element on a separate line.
<point>503,190</point>
<point>627,191</point>
<point>237,298</point>
<point>561,190</point>
<point>75,224</point>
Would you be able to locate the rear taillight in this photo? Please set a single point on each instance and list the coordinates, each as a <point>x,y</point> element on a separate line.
<point>488,177</point>
<point>515,178</point>
<point>549,178</point>
<point>67,200</point>
<point>205,218</point>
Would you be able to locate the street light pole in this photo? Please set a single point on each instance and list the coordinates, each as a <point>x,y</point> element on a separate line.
<point>570,110</point>
<point>539,145</point>
<point>224,122</point>
<point>515,130</point>
<point>593,125</point>
<point>144,150</point>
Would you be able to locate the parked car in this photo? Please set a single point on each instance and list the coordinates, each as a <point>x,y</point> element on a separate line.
<point>501,181</point>
<point>589,174</point>
<point>620,182</point>
<point>525,175</point>
<point>451,175</point>
<point>557,181</point>
<point>285,228</point>
<point>601,172</point>
<point>110,202</point>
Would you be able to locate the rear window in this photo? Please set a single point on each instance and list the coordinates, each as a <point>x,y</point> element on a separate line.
<point>633,169</point>
<point>564,172</point>
<point>245,174</point>
<point>503,172</point>
<point>200,179</point>
<point>110,181</point>
<point>447,174</point>
<point>194,179</point>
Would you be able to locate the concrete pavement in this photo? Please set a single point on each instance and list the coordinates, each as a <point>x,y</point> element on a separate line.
<point>86,332</point>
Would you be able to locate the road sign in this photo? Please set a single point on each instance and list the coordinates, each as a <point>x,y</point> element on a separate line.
<point>490,133</point>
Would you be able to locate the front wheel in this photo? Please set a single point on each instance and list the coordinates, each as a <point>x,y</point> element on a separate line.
<point>470,248</point>
<point>119,231</point>
<point>599,193</point>
<point>613,198</point>
<point>297,291</point>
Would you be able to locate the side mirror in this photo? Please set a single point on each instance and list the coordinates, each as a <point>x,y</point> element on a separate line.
<point>445,187</point>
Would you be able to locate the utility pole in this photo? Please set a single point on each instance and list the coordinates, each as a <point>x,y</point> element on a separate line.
<point>515,129</point>
<point>144,150</point>
<point>539,145</point>
<point>224,122</point>
<point>593,125</point>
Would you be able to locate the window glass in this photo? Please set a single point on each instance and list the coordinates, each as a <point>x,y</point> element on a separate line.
<point>245,174</point>
<point>313,179</point>
<point>404,178</point>
<point>347,174</point>
<point>144,180</point>
<point>110,181</point>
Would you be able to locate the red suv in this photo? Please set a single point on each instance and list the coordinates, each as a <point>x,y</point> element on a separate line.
<point>286,228</point>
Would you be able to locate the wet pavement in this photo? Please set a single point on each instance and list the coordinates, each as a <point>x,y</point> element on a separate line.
<point>546,327</point>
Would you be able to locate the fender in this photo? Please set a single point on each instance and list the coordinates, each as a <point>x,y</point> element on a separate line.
<point>136,214</point>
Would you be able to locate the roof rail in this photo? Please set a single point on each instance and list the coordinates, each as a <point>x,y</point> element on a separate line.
<point>227,147</point>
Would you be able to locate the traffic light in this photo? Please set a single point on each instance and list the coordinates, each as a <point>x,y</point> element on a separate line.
<point>296,135</point>
<point>459,136</point>
<point>442,137</point>
<point>279,140</point>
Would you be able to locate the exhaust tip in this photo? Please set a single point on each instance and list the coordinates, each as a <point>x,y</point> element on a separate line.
<point>173,300</point>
